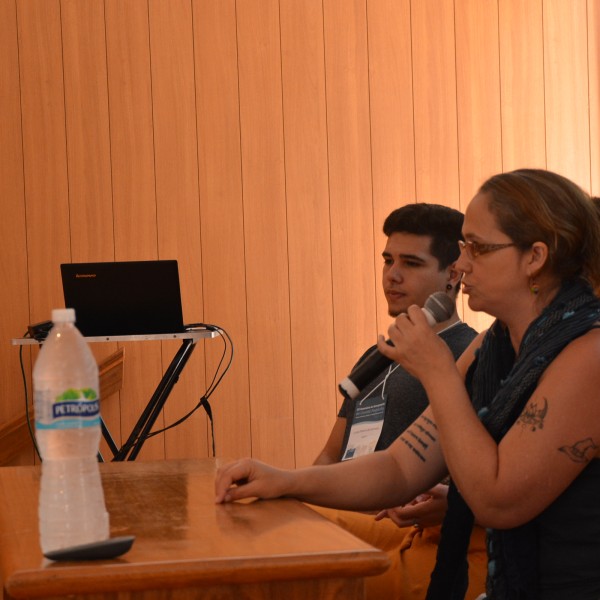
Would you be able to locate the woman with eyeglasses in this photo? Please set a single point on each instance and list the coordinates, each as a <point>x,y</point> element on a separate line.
<point>515,422</point>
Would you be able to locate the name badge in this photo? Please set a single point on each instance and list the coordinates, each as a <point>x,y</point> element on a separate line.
<point>366,427</point>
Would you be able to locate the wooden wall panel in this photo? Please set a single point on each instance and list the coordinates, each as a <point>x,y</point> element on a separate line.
<point>88,151</point>
<point>131,130</point>
<point>434,76</point>
<point>262,143</point>
<point>351,193</point>
<point>478,94</point>
<point>593,17</point>
<point>13,267</point>
<point>178,206</point>
<point>221,208</point>
<point>566,89</point>
<point>522,88</point>
<point>267,280</point>
<point>478,103</point>
<point>392,131</point>
<point>309,243</point>
<point>44,152</point>
<point>134,196</point>
<point>87,129</point>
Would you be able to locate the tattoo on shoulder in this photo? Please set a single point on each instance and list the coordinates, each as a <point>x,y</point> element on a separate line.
<point>533,415</point>
<point>418,436</point>
<point>581,451</point>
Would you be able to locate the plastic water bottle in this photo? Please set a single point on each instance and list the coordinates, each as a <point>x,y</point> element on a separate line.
<point>67,423</point>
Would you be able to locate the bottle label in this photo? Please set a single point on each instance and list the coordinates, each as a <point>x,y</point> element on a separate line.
<point>72,409</point>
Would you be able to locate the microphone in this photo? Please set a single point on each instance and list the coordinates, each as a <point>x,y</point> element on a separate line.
<point>438,308</point>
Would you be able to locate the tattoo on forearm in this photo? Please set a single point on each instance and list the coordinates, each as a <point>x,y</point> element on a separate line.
<point>425,432</point>
<point>415,450</point>
<point>417,439</point>
<point>429,422</point>
<point>581,451</point>
<point>419,436</point>
<point>533,416</point>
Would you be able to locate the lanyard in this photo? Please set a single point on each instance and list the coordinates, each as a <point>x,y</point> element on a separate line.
<point>393,367</point>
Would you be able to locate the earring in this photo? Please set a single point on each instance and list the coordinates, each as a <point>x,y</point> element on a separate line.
<point>534,288</point>
<point>449,287</point>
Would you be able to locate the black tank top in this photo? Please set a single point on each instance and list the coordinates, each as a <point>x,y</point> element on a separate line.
<point>569,540</point>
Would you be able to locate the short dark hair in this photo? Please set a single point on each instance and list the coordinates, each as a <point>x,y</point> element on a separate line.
<point>442,223</point>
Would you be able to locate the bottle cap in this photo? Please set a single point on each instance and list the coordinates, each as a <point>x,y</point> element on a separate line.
<point>63,315</point>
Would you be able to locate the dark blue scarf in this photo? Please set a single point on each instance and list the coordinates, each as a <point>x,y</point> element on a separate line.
<point>499,387</point>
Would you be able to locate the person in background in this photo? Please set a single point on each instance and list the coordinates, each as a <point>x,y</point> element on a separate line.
<point>517,417</point>
<point>418,260</point>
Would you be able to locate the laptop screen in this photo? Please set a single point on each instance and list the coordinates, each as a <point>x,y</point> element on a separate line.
<point>124,298</point>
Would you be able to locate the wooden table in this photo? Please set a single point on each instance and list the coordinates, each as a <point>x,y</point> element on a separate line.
<point>186,546</point>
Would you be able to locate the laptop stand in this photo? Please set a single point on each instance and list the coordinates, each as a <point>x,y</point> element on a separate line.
<point>132,446</point>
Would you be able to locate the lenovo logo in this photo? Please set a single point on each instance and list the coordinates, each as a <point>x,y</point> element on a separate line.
<point>80,275</point>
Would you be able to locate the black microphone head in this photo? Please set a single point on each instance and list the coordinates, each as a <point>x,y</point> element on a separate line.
<point>440,306</point>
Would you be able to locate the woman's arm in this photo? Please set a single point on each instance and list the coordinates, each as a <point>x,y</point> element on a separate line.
<point>556,435</point>
<point>379,480</point>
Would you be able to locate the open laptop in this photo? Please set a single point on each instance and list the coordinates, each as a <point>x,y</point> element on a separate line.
<point>124,298</point>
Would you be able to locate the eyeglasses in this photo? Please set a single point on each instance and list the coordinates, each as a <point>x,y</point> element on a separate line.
<point>475,249</point>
